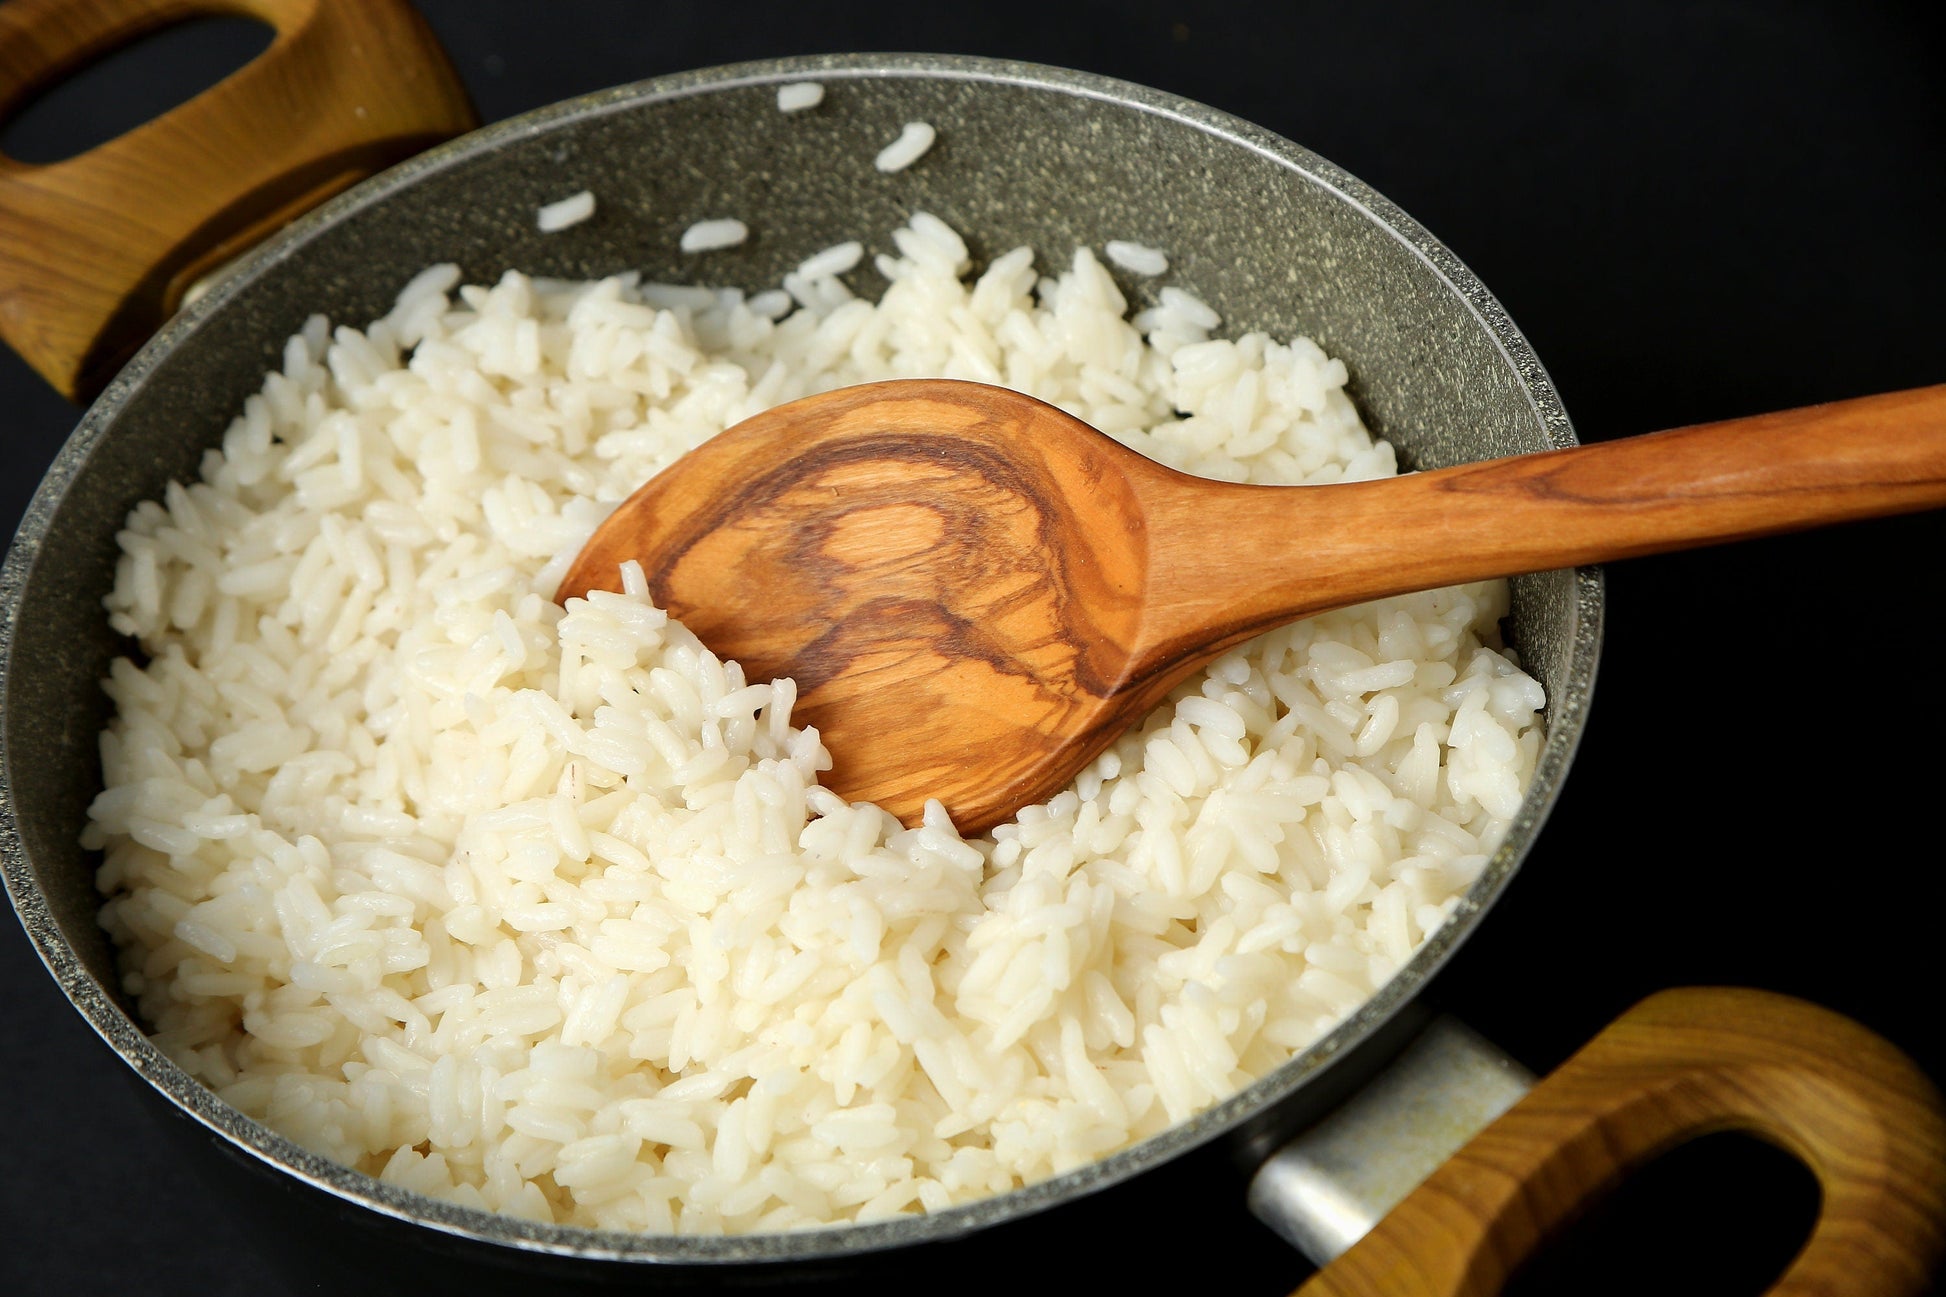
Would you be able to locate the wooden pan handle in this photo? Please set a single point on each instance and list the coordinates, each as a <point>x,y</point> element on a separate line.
<point>1680,1065</point>
<point>96,250</point>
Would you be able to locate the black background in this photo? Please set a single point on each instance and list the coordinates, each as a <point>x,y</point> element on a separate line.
<point>1694,212</point>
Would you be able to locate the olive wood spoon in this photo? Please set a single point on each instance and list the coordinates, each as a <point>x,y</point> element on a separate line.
<point>976,592</point>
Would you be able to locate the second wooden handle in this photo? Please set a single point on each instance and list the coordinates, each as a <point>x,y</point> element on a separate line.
<point>1680,1065</point>
<point>96,250</point>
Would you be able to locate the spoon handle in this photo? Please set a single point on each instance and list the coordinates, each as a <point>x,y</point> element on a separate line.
<point>1329,547</point>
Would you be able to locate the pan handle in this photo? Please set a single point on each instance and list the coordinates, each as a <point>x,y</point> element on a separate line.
<point>97,250</point>
<point>1682,1064</point>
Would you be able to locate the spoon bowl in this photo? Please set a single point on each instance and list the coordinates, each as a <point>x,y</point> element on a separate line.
<point>953,575</point>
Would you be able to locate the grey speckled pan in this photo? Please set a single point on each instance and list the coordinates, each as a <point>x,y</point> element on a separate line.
<point>1270,235</point>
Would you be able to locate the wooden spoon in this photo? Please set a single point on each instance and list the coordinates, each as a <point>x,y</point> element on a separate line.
<point>976,592</point>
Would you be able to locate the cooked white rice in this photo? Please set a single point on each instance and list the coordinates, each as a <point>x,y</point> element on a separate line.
<point>1137,258</point>
<point>835,260</point>
<point>543,910</point>
<point>799,95</point>
<point>913,141</point>
<point>707,236</point>
<point>572,210</point>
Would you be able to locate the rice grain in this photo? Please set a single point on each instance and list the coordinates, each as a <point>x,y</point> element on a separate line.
<point>913,141</point>
<point>707,236</point>
<point>572,210</point>
<point>799,95</point>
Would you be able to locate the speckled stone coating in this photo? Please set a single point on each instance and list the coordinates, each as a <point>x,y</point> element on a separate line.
<point>1270,235</point>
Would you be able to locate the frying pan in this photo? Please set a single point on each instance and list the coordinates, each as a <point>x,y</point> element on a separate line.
<point>1461,384</point>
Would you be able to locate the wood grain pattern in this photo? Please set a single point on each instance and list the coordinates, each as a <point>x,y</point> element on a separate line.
<point>1328,547</point>
<point>96,250</point>
<point>976,592</point>
<point>920,562</point>
<point>1680,1065</point>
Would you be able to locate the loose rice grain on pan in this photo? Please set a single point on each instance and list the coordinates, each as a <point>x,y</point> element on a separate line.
<point>572,210</point>
<point>543,910</point>
<point>1137,258</point>
<point>708,236</point>
<point>799,95</point>
<point>913,141</point>
<point>835,260</point>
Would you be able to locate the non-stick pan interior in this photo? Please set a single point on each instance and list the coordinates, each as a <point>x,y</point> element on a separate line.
<point>1271,237</point>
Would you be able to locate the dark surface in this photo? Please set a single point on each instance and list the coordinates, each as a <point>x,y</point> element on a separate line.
<point>1693,213</point>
